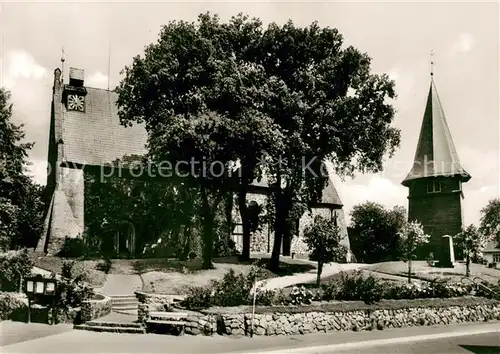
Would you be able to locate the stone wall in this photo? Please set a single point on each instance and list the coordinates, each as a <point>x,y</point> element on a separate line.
<point>353,320</point>
<point>95,308</point>
<point>67,212</point>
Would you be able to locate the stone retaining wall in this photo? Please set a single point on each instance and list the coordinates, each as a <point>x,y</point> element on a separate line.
<point>353,320</point>
<point>95,308</point>
<point>149,298</point>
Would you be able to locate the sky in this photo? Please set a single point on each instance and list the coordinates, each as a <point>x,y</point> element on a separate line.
<point>102,38</point>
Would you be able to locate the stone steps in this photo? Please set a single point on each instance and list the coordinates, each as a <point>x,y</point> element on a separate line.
<point>124,303</point>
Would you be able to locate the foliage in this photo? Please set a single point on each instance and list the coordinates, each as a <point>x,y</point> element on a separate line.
<point>73,248</point>
<point>472,242</point>
<point>357,287</point>
<point>490,219</point>
<point>15,265</point>
<point>72,290</point>
<point>430,259</point>
<point>232,290</point>
<point>20,198</point>
<point>105,265</point>
<point>163,213</point>
<point>300,296</point>
<point>412,236</point>
<point>12,304</point>
<point>375,232</point>
<point>323,239</point>
<point>370,290</point>
<point>236,83</point>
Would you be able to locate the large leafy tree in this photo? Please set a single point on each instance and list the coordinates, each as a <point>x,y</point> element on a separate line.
<point>20,197</point>
<point>374,235</point>
<point>490,219</point>
<point>200,102</point>
<point>329,106</point>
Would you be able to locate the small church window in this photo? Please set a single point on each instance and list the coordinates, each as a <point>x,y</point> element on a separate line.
<point>459,187</point>
<point>434,186</point>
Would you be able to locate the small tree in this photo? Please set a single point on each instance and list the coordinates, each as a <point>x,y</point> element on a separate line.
<point>490,219</point>
<point>323,239</point>
<point>412,236</point>
<point>472,242</point>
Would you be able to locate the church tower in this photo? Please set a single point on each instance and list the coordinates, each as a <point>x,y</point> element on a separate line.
<point>435,180</point>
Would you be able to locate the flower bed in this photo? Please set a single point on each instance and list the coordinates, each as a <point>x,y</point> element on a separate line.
<point>342,316</point>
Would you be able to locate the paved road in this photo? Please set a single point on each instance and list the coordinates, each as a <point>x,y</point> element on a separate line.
<point>387,342</point>
<point>17,332</point>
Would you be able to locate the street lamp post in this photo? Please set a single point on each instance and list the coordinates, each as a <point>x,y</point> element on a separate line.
<point>41,289</point>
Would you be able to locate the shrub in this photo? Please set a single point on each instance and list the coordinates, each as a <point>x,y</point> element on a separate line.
<point>104,266</point>
<point>356,287</point>
<point>14,265</point>
<point>301,296</point>
<point>232,290</point>
<point>73,248</point>
<point>71,290</point>
<point>12,305</point>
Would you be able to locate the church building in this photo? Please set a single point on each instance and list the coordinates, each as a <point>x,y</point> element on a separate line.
<point>435,180</point>
<point>86,135</point>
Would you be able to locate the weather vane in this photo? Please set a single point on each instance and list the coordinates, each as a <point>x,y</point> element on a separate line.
<point>432,62</point>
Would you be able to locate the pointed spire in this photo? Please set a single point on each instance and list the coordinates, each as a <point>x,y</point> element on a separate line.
<point>436,154</point>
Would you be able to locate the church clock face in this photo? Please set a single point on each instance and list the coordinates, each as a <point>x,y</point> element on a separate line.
<point>76,103</point>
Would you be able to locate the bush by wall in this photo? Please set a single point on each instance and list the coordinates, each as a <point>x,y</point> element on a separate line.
<point>233,290</point>
<point>12,305</point>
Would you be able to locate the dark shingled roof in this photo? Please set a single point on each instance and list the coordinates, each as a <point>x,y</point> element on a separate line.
<point>436,154</point>
<point>96,137</point>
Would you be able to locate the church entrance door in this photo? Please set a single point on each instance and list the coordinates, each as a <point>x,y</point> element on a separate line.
<point>125,240</point>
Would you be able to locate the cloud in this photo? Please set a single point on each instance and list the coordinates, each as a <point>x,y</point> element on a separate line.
<point>464,44</point>
<point>97,80</point>
<point>38,171</point>
<point>19,64</point>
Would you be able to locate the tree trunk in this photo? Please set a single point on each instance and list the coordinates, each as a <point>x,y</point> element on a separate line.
<point>242,204</point>
<point>318,277</point>
<point>467,265</point>
<point>208,217</point>
<point>409,270</point>
<point>274,262</point>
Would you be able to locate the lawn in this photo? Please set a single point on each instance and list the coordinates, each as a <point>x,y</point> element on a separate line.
<point>88,267</point>
<point>178,279</point>
<point>170,275</point>
<point>423,271</point>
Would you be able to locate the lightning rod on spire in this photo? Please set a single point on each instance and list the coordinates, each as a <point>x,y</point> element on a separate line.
<point>109,62</point>
<point>432,62</point>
